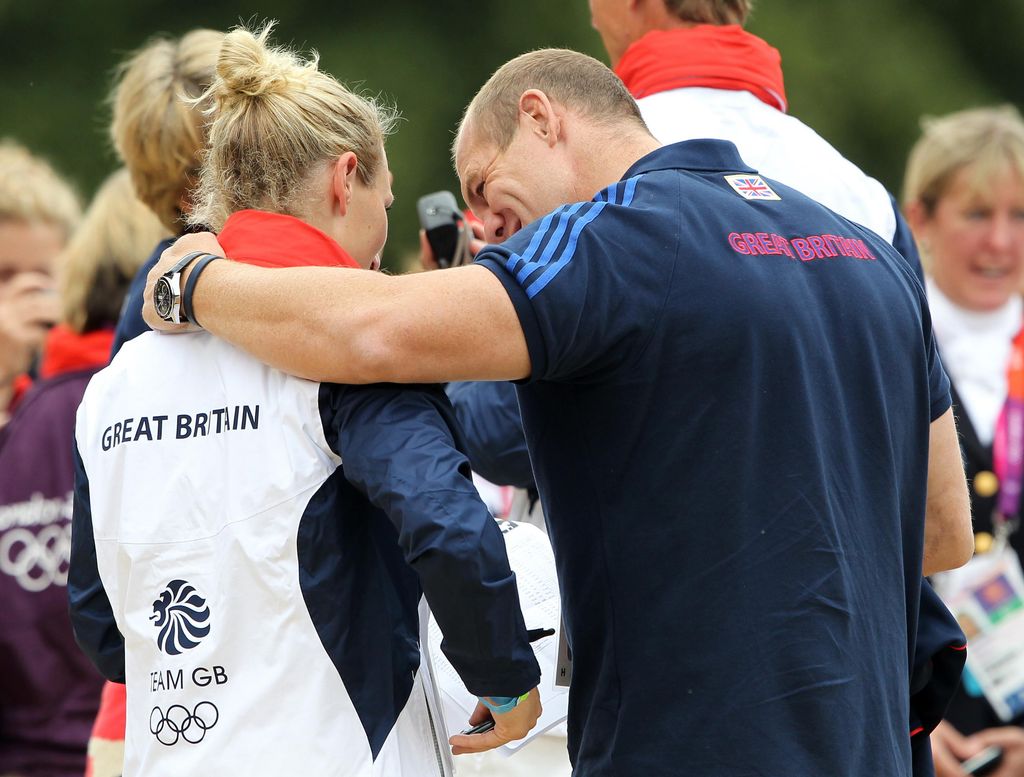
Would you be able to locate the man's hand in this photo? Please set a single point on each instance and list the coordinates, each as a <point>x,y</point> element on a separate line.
<point>429,261</point>
<point>949,748</point>
<point>1011,740</point>
<point>29,307</point>
<point>200,241</point>
<point>508,726</point>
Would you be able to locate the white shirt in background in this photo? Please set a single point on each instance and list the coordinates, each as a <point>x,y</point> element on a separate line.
<point>975,349</point>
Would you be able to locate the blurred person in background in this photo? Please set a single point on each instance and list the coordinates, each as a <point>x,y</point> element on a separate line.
<point>249,546</point>
<point>964,198</point>
<point>696,73</point>
<point>38,212</point>
<point>49,691</point>
<point>159,131</point>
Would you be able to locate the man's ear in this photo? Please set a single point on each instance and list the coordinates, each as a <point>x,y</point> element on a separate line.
<point>343,180</point>
<point>540,115</point>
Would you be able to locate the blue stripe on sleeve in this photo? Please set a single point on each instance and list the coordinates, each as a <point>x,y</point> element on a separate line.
<point>567,253</point>
<point>535,241</point>
<point>627,198</point>
<point>552,244</point>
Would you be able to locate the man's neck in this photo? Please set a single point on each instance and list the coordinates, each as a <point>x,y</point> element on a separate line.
<point>602,169</point>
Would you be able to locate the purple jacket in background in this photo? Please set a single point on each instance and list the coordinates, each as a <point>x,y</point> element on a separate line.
<point>49,690</point>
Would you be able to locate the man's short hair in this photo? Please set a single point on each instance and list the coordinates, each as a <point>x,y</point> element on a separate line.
<point>711,11</point>
<point>567,77</point>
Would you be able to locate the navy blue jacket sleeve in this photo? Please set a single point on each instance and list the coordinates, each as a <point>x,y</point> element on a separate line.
<point>398,446</point>
<point>131,324</point>
<point>940,651</point>
<point>91,614</point>
<point>488,414</point>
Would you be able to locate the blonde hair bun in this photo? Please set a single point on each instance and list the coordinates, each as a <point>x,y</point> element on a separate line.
<point>276,120</point>
<point>248,68</point>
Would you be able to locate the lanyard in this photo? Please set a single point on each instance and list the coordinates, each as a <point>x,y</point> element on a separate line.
<point>1008,445</point>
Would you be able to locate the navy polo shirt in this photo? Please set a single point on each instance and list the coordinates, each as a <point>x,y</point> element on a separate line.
<point>728,415</point>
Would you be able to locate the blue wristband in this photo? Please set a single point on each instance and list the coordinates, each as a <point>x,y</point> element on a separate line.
<point>500,704</point>
<point>190,286</point>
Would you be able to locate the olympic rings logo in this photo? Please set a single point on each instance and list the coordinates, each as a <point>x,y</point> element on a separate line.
<point>37,561</point>
<point>179,723</point>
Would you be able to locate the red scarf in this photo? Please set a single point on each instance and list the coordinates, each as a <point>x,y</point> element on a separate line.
<point>716,57</point>
<point>68,351</point>
<point>275,240</point>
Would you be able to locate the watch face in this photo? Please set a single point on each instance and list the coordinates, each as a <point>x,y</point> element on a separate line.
<point>163,298</point>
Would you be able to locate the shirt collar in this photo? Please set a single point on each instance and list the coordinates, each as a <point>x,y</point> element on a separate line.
<point>710,156</point>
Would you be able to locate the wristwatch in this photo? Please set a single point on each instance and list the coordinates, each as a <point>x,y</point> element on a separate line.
<point>167,291</point>
<point>172,302</point>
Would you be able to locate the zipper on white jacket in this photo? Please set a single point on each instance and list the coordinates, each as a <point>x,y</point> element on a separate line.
<point>437,744</point>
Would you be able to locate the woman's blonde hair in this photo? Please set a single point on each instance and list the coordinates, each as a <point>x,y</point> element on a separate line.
<point>276,117</point>
<point>157,133</point>
<point>989,140</point>
<point>96,268</point>
<point>31,190</point>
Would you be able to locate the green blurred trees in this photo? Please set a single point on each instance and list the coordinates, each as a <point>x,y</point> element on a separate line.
<point>862,72</point>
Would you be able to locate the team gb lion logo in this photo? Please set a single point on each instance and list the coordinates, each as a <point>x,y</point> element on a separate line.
<point>181,615</point>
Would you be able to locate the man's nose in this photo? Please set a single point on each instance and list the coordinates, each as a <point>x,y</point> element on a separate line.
<point>495,228</point>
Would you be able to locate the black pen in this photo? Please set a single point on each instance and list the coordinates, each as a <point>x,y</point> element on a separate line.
<point>533,635</point>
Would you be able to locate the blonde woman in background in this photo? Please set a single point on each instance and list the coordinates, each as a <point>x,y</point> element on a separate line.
<point>158,130</point>
<point>38,212</point>
<point>49,692</point>
<point>278,533</point>
<point>964,199</point>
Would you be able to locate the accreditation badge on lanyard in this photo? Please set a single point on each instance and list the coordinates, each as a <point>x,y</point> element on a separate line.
<point>987,595</point>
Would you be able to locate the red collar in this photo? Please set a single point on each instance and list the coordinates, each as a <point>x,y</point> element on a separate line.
<point>275,240</point>
<point>22,384</point>
<point>717,57</point>
<point>68,351</point>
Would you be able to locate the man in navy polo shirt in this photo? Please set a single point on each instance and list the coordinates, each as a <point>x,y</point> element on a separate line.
<point>738,421</point>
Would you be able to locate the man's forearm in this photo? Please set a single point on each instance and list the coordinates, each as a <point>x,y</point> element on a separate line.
<point>287,317</point>
<point>357,326</point>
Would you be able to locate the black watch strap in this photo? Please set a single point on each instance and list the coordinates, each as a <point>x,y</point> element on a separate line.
<point>190,285</point>
<point>184,262</point>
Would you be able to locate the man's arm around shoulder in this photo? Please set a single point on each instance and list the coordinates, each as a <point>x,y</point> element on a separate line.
<point>356,326</point>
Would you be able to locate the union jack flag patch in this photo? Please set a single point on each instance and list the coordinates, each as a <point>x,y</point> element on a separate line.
<point>751,187</point>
